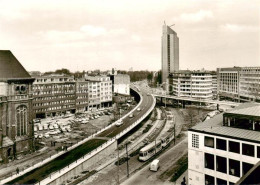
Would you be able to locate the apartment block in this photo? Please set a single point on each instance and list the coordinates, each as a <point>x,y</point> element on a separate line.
<point>100,91</point>
<point>194,84</point>
<point>223,149</point>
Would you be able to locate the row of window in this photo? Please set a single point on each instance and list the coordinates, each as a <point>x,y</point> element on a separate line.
<point>221,144</point>
<point>210,180</point>
<point>220,164</point>
<point>53,103</point>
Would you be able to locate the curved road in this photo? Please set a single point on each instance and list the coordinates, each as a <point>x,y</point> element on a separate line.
<point>145,106</point>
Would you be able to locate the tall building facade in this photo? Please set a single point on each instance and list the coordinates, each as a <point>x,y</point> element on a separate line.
<point>53,95</point>
<point>239,83</point>
<point>170,52</point>
<point>223,149</point>
<point>16,125</point>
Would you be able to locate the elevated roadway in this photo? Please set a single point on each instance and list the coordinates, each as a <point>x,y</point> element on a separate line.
<point>196,100</point>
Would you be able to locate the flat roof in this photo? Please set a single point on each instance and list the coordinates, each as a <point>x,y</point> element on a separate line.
<point>214,126</point>
<point>248,109</point>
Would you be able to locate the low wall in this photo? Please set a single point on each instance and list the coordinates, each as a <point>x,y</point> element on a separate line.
<point>88,165</point>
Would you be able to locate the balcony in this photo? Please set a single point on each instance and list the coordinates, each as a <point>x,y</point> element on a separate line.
<point>19,97</point>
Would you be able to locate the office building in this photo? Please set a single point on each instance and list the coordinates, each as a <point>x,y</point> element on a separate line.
<point>16,125</point>
<point>239,83</point>
<point>223,149</point>
<point>170,52</point>
<point>54,95</point>
<point>193,84</point>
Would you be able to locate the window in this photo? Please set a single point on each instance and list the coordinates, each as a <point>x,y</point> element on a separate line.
<point>209,180</point>
<point>209,161</point>
<point>248,150</point>
<point>258,151</point>
<point>246,167</point>
<point>195,141</point>
<point>234,167</point>
<point>234,147</point>
<point>21,120</point>
<point>221,144</point>
<point>221,182</point>
<point>221,164</point>
<point>209,141</point>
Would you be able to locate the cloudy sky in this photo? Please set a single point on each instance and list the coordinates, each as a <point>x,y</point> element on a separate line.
<point>101,34</point>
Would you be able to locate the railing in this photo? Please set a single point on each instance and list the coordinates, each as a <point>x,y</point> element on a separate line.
<point>54,175</point>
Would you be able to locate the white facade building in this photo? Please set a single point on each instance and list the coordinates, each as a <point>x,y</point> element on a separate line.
<point>122,84</point>
<point>100,91</point>
<point>223,149</point>
<point>194,84</point>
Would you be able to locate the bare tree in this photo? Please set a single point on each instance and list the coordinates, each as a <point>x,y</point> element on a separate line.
<point>191,113</point>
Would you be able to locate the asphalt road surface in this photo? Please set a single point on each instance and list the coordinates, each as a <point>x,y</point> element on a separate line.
<point>145,106</point>
<point>145,176</point>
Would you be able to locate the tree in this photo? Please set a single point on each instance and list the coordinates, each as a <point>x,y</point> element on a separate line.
<point>63,71</point>
<point>150,77</point>
<point>191,114</point>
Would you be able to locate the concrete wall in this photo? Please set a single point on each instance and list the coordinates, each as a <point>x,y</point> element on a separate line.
<point>88,165</point>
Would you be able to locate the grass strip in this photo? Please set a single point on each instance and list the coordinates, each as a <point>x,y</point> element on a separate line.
<point>60,162</point>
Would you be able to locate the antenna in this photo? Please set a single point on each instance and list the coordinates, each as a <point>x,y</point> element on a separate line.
<point>164,22</point>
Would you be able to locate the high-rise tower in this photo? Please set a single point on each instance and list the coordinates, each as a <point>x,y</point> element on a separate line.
<point>170,52</point>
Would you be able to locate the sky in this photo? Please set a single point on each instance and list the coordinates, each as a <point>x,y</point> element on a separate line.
<point>46,35</point>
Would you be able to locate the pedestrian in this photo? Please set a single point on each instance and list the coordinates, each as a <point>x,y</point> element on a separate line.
<point>17,170</point>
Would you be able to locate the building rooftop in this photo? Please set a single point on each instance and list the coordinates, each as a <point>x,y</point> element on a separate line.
<point>10,67</point>
<point>248,109</point>
<point>215,126</point>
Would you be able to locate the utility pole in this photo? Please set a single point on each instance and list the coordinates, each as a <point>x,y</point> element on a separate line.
<point>117,164</point>
<point>174,133</point>
<point>155,145</point>
<point>127,165</point>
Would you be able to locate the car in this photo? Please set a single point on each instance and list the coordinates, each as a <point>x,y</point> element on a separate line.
<point>119,123</point>
<point>37,120</point>
<point>138,109</point>
<point>46,135</point>
<point>40,136</point>
<point>154,166</point>
<point>51,127</point>
<point>131,115</point>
